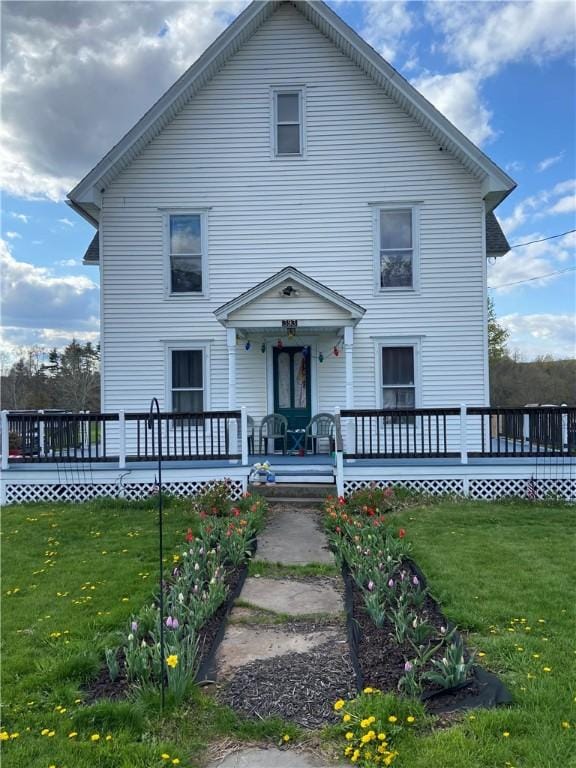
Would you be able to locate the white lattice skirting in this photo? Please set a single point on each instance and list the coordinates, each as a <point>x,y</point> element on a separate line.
<point>481,488</point>
<point>21,493</point>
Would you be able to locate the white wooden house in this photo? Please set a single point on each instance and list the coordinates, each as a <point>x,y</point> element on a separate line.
<point>292,190</point>
<point>292,228</point>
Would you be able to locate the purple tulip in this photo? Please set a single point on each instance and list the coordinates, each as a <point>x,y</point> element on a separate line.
<point>408,667</point>
<point>134,626</point>
<point>391,583</point>
<point>370,586</point>
<point>172,623</point>
<point>415,581</point>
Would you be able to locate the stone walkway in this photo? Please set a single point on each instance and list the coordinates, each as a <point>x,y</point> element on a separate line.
<point>286,641</point>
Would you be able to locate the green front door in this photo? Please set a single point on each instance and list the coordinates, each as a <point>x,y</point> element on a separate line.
<point>292,385</point>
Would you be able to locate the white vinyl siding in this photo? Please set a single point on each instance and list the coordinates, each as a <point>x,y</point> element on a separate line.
<point>316,216</point>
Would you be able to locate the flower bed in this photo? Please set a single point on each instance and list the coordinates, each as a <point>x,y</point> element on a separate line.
<point>400,640</point>
<point>205,577</point>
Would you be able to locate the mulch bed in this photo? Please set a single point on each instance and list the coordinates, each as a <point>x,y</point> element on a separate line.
<point>379,659</point>
<point>300,687</point>
<point>103,688</point>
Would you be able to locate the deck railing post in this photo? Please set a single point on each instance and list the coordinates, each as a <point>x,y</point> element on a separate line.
<point>121,440</point>
<point>339,451</point>
<point>463,434</point>
<point>244,434</point>
<point>564,417</point>
<point>5,439</point>
<point>41,434</point>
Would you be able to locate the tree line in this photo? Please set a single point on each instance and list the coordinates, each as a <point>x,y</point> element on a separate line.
<point>66,380</point>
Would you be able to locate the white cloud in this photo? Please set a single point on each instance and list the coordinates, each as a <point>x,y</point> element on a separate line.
<point>532,263</point>
<point>385,24</point>
<point>66,222</point>
<point>543,203</point>
<point>68,263</point>
<point>489,35</point>
<point>20,216</point>
<point>13,235</point>
<point>548,162</point>
<point>33,298</point>
<point>544,334</point>
<point>564,205</point>
<point>14,342</point>
<point>457,96</point>
<point>514,166</point>
<point>101,65</point>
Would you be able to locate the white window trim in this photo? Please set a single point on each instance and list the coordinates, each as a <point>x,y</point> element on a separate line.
<point>415,208</point>
<point>187,346</point>
<point>398,341</point>
<point>180,296</point>
<point>301,91</point>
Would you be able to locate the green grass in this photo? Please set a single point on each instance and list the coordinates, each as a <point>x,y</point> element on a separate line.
<point>281,571</point>
<point>487,563</point>
<point>505,574</point>
<point>80,571</point>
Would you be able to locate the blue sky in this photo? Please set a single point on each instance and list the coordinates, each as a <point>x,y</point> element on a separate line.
<point>77,76</point>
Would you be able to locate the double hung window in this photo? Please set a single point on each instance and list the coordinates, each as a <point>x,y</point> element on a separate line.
<point>288,123</point>
<point>396,247</point>
<point>398,377</point>
<point>186,253</point>
<point>187,381</point>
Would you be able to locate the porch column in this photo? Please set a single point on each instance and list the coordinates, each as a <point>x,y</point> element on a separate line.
<point>348,348</point>
<point>231,341</point>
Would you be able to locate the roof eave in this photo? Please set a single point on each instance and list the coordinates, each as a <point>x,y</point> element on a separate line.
<point>93,182</point>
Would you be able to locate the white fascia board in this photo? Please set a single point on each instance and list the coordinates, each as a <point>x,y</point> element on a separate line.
<point>83,190</point>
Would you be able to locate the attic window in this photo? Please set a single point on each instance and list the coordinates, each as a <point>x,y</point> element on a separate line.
<point>288,123</point>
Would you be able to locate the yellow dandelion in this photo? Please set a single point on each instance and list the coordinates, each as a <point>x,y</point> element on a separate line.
<point>368,690</point>
<point>4,736</point>
<point>14,735</point>
<point>108,737</point>
<point>339,704</point>
<point>95,737</point>
<point>44,732</point>
<point>176,761</point>
<point>565,724</point>
<point>547,669</point>
<point>165,756</point>
<point>346,718</point>
<point>349,736</point>
<point>285,738</point>
<point>392,719</point>
<point>72,734</point>
<point>506,734</point>
<point>410,719</point>
<point>172,660</point>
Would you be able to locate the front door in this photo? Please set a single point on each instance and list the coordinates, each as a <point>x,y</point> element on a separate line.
<point>292,386</point>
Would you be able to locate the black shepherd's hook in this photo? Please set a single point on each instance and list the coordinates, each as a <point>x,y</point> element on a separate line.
<point>154,405</point>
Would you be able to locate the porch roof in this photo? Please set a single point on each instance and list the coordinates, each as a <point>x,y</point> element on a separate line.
<point>289,295</point>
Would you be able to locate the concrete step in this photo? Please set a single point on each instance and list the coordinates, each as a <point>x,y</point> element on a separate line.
<point>309,491</point>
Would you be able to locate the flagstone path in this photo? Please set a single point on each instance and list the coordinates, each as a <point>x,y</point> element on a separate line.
<point>285,651</point>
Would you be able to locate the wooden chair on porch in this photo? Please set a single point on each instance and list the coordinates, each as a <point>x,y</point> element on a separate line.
<point>321,427</point>
<point>274,427</point>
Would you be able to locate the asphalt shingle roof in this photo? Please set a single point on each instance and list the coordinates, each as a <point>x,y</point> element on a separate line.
<point>496,243</point>
<point>92,255</point>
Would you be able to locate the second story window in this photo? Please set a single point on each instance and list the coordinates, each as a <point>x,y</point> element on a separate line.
<point>186,246</point>
<point>288,123</point>
<point>396,247</point>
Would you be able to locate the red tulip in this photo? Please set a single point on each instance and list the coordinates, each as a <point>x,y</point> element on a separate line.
<point>189,535</point>
<point>401,533</point>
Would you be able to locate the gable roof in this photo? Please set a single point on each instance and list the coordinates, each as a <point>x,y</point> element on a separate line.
<point>495,182</point>
<point>289,273</point>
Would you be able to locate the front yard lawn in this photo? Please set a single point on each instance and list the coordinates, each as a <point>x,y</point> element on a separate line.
<point>74,574</point>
